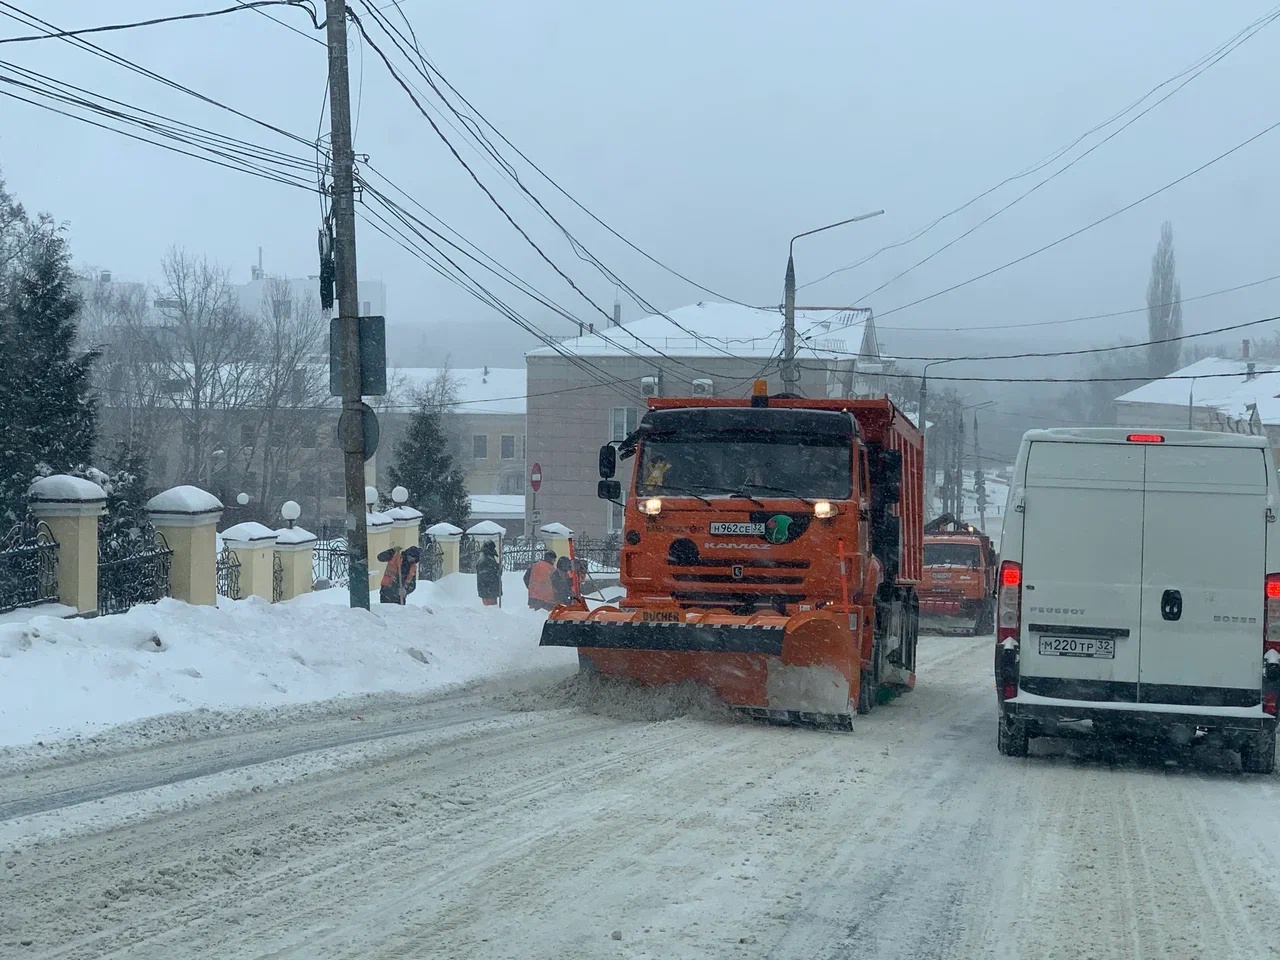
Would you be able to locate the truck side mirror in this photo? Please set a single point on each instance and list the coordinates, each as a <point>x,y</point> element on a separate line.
<point>608,462</point>
<point>609,490</point>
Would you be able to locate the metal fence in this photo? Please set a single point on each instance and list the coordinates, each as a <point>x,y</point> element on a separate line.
<point>228,574</point>
<point>599,553</point>
<point>431,562</point>
<point>28,566</point>
<point>330,566</point>
<point>277,578</point>
<point>133,568</point>
<point>520,555</point>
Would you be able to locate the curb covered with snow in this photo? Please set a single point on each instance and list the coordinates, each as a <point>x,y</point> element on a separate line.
<point>72,677</point>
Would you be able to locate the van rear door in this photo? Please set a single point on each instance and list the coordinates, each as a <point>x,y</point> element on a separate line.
<point>1081,570</point>
<point>1204,567</point>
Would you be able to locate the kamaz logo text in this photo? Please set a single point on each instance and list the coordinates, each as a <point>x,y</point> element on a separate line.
<point>735,546</point>
<point>1070,611</point>
<point>1218,619</point>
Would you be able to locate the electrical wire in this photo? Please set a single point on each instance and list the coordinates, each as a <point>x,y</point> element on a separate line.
<point>1084,351</point>
<point>1093,316</point>
<point>1255,26</point>
<point>110,28</point>
<point>480,117</point>
<point>1075,233</point>
<point>287,26</point>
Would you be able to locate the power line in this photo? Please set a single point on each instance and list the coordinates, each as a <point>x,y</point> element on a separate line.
<point>287,26</point>
<point>1081,352</point>
<point>390,28</point>
<point>1094,316</point>
<point>109,28</point>
<point>1056,154</point>
<point>1087,227</point>
<point>1057,173</point>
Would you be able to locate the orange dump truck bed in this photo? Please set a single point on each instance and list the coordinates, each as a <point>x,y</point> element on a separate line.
<point>772,548</point>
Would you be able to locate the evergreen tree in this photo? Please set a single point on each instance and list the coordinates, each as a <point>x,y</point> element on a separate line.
<point>424,467</point>
<point>46,406</point>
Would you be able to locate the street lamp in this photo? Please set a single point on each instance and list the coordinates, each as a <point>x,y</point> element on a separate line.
<point>789,372</point>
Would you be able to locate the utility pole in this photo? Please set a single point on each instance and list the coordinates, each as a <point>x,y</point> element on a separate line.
<point>959,487</point>
<point>344,221</point>
<point>979,476</point>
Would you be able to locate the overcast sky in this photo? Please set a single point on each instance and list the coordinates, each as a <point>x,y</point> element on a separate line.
<point>708,132</point>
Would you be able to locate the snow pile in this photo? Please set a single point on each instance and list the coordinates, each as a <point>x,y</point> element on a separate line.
<point>67,677</point>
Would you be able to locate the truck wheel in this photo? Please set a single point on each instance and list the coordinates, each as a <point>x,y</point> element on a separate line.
<point>1012,739</point>
<point>1258,752</point>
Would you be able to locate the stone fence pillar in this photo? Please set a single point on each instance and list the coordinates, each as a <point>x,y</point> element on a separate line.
<point>296,548</point>
<point>406,526</point>
<point>71,507</point>
<point>188,518</point>
<point>557,536</point>
<point>379,526</point>
<point>254,546</point>
<point>449,539</point>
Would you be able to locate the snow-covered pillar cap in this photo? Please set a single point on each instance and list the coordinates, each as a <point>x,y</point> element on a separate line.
<point>486,529</point>
<point>66,496</point>
<point>184,506</point>
<point>251,533</point>
<point>557,530</point>
<point>294,538</point>
<point>444,531</point>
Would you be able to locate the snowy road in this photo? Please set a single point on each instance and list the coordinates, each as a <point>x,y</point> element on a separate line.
<point>498,824</point>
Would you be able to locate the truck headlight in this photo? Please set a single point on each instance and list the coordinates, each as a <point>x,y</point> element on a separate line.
<point>824,510</point>
<point>651,507</point>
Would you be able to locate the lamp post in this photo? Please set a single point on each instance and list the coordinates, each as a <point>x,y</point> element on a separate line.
<point>290,511</point>
<point>789,373</point>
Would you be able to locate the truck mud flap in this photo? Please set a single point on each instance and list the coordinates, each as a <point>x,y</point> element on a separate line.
<point>671,637</point>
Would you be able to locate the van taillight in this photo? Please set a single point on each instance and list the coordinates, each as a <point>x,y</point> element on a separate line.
<point>1145,438</point>
<point>1009,602</point>
<point>1271,618</point>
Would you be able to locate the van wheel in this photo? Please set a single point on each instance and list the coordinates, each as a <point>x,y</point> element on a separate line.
<point>1012,739</point>
<point>1258,753</point>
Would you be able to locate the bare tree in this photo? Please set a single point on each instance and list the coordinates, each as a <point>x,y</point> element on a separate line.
<point>1164,309</point>
<point>205,363</point>
<point>292,381</point>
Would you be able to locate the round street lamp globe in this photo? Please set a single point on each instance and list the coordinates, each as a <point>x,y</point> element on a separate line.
<point>399,494</point>
<point>371,495</point>
<point>242,499</point>
<point>290,510</point>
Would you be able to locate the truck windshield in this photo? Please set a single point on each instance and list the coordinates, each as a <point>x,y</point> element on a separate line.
<point>776,465</point>
<point>951,555</point>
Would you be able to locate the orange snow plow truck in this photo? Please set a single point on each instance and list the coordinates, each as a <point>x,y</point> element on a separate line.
<point>772,549</point>
<point>959,588</point>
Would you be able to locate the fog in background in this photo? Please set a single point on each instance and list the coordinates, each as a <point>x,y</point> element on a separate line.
<point>708,133</point>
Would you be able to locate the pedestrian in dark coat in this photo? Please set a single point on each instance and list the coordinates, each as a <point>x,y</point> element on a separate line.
<point>400,576</point>
<point>562,581</point>
<point>489,575</point>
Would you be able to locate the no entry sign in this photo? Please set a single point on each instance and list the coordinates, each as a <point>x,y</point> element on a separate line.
<point>535,477</point>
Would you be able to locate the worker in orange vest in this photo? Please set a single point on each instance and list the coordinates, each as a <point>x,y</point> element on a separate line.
<point>400,577</point>
<point>542,595</point>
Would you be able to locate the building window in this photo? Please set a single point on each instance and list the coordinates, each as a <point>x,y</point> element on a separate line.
<point>622,422</point>
<point>480,446</point>
<point>307,436</point>
<point>247,434</point>
<point>508,446</point>
<point>511,484</point>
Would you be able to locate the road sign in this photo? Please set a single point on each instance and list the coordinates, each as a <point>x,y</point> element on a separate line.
<point>535,516</point>
<point>535,477</point>
<point>372,432</point>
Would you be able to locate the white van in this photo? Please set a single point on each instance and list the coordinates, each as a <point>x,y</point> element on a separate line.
<point>1139,589</point>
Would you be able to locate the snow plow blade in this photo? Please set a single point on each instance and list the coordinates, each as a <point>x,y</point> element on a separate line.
<point>802,669</point>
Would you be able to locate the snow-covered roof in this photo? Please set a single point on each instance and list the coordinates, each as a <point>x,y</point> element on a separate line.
<point>710,329</point>
<point>61,487</point>
<point>498,506</point>
<point>1223,384</point>
<point>486,528</point>
<point>184,499</point>
<point>480,389</point>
